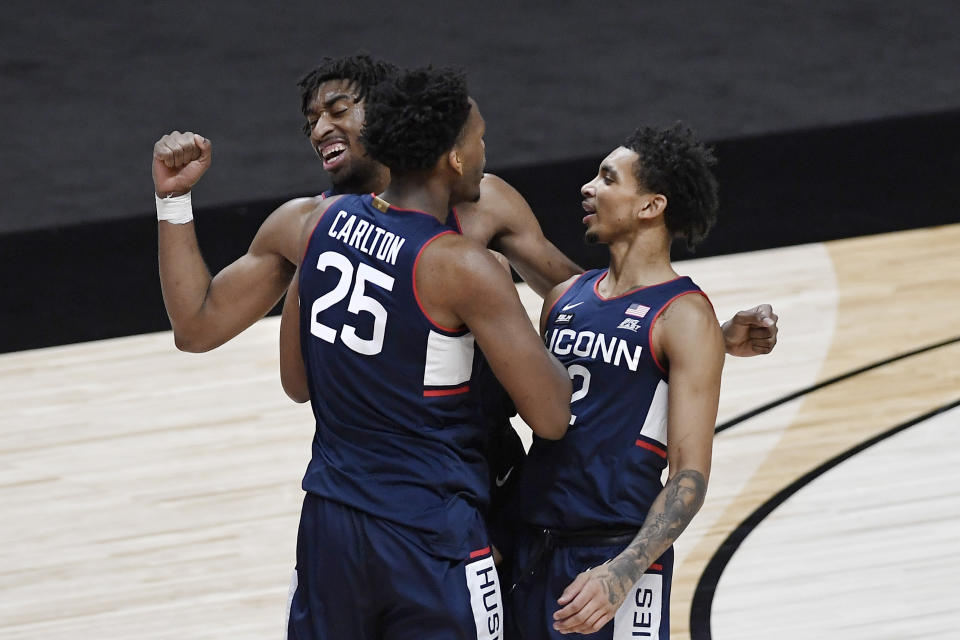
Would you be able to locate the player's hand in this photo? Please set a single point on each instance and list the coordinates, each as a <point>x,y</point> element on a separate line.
<point>179,161</point>
<point>751,332</point>
<point>590,601</point>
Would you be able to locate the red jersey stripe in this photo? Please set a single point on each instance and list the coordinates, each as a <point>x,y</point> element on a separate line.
<point>652,447</point>
<point>429,393</point>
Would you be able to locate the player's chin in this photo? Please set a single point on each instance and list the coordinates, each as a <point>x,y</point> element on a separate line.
<point>342,171</point>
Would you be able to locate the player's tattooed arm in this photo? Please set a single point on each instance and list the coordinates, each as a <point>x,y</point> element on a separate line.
<point>593,598</point>
<point>673,510</point>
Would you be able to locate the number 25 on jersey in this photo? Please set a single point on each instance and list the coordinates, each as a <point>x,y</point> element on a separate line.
<point>359,303</point>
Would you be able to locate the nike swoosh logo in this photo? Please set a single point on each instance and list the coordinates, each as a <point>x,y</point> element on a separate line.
<point>571,306</point>
<point>502,481</point>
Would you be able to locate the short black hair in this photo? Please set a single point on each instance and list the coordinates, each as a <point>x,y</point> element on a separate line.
<point>415,118</point>
<point>362,71</point>
<point>673,162</point>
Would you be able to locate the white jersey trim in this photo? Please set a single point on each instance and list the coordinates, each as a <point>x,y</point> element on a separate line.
<point>484,587</point>
<point>638,618</point>
<point>655,424</point>
<point>292,590</point>
<point>449,360</point>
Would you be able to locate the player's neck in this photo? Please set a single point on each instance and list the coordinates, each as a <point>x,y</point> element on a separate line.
<point>421,194</point>
<point>640,261</point>
<point>372,183</point>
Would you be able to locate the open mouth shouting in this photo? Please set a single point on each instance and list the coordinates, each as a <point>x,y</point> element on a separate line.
<point>333,153</point>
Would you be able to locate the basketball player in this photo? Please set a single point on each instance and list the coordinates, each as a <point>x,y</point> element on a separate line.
<point>392,542</point>
<point>598,525</point>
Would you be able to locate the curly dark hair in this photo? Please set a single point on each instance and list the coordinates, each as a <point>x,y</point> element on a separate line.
<point>360,69</point>
<point>415,118</point>
<point>673,162</point>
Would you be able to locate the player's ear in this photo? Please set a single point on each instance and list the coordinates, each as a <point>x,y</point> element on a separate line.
<point>453,159</point>
<point>652,205</point>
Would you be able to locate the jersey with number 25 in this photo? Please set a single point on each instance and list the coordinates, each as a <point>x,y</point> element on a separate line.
<point>397,435</point>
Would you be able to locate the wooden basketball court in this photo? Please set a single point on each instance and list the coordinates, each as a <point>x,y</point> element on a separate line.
<point>155,494</point>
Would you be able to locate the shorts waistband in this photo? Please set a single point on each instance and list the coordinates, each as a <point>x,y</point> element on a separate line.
<point>549,539</point>
<point>600,537</point>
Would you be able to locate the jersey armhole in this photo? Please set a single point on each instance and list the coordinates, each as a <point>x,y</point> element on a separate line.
<point>413,274</point>
<point>564,292</point>
<point>653,352</point>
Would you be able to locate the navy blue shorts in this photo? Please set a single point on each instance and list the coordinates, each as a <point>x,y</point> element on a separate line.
<point>541,575</point>
<point>362,578</point>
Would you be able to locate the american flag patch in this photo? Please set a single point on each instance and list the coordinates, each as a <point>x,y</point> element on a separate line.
<point>637,310</point>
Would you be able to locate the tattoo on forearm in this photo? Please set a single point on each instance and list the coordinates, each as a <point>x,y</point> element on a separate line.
<point>670,514</point>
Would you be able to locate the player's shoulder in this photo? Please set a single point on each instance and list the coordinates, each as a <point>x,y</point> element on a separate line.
<point>497,198</point>
<point>301,206</point>
<point>687,332</point>
<point>550,300</point>
<point>280,233</point>
<point>310,210</point>
<point>454,273</point>
<point>554,294</point>
<point>691,305</point>
<point>295,212</point>
<point>689,314</point>
<point>494,184</point>
<point>295,219</point>
<point>459,261</point>
<point>457,250</point>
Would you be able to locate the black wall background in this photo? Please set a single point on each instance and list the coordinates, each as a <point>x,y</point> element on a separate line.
<point>830,120</point>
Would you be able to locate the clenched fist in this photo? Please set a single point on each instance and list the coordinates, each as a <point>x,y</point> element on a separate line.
<point>179,161</point>
<point>751,332</point>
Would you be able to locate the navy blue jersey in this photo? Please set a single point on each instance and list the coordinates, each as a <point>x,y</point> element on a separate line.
<point>606,471</point>
<point>397,432</point>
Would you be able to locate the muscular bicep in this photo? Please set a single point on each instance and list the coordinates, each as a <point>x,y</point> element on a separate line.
<point>242,292</point>
<point>474,290</point>
<point>520,238</point>
<point>690,339</point>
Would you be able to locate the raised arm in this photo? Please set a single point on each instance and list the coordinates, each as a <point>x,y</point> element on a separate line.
<point>515,232</point>
<point>207,311</point>
<point>460,283</point>
<point>686,336</point>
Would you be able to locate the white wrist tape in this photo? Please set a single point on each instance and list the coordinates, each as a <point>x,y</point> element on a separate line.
<point>174,209</point>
